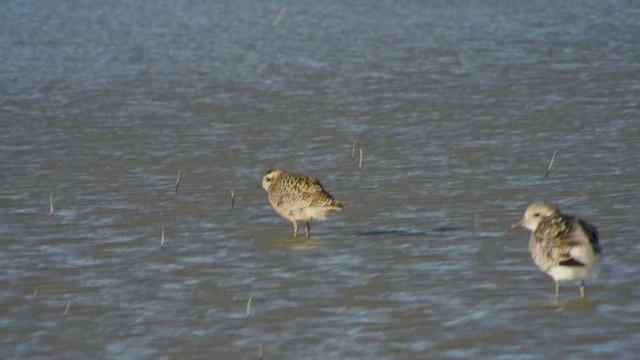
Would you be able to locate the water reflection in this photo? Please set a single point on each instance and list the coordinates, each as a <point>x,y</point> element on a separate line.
<point>289,243</point>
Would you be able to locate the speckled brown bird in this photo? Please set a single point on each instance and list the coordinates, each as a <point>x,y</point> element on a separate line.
<point>298,198</point>
<point>563,246</point>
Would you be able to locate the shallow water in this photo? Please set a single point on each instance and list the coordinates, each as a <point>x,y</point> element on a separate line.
<point>457,107</point>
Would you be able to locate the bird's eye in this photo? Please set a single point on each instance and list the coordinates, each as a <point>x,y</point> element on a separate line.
<point>268,179</point>
<point>536,214</point>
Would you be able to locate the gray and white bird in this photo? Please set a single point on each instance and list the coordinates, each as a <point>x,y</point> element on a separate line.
<point>563,246</point>
<point>298,198</point>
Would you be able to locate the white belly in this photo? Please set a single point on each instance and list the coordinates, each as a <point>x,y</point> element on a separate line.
<point>306,214</point>
<point>565,273</point>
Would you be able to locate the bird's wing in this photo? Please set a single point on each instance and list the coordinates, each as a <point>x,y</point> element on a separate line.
<point>307,185</point>
<point>561,241</point>
<point>311,193</point>
<point>591,232</point>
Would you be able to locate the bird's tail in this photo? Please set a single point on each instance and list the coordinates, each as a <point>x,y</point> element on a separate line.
<point>337,205</point>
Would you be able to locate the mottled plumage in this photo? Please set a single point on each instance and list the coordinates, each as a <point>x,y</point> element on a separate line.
<point>298,198</point>
<point>563,246</point>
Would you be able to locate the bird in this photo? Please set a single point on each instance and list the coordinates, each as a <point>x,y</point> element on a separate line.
<point>563,246</point>
<point>298,198</point>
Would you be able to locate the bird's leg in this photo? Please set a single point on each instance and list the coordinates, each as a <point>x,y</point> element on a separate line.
<point>557,289</point>
<point>582,289</point>
<point>307,232</point>
<point>295,229</point>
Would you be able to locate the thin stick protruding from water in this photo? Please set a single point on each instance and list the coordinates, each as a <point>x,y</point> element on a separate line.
<point>353,150</point>
<point>35,293</point>
<point>360,162</point>
<point>233,198</point>
<point>178,180</point>
<point>66,311</point>
<point>249,306</point>
<point>51,211</point>
<point>280,16</point>
<point>550,164</point>
<point>260,352</point>
<point>162,238</point>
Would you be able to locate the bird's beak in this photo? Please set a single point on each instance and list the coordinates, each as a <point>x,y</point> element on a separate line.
<point>519,224</point>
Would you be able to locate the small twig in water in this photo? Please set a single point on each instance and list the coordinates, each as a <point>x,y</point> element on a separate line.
<point>51,205</point>
<point>162,238</point>
<point>353,150</point>
<point>178,180</point>
<point>260,352</point>
<point>360,162</point>
<point>280,16</point>
<point>249,306</point>
<point>66,311</point>
<point>35,293</point>
<point>233,198</point>
<point>550,164</point>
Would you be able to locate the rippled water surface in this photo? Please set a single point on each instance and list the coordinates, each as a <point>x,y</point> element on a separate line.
<point>457,107</point>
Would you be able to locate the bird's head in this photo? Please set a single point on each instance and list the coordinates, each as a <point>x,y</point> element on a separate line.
<point>535,214</point>
<point>270,177</point>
